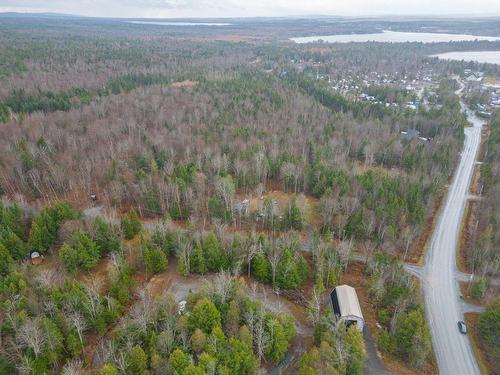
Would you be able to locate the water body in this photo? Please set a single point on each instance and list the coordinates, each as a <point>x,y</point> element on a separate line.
<point>159,23</point>
<point>492,57</point>
<point>394,37</point>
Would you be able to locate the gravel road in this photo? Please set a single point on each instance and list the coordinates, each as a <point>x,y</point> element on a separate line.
<point>443,306</point>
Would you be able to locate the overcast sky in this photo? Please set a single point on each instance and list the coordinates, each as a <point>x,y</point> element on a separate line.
<point>247,8</point>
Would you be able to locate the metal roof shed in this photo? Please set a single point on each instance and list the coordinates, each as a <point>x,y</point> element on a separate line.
<point>346,306</point>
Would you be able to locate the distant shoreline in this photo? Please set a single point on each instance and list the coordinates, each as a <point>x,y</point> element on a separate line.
<point>489,57</point>
<point>386,36</point>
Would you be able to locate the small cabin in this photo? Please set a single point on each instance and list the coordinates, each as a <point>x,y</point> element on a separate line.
<point>36,258</point>
<point>346,306</point>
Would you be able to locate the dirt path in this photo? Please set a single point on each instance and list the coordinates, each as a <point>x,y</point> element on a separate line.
<point>373,365</point>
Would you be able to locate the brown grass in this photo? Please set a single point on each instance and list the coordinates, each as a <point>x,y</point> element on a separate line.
<point>479,347</point>
<point>307,204</point>
<point>417,252</point>
<point>186,83</point>
<point>361,168</point>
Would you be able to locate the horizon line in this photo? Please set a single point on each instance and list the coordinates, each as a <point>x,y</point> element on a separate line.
<point>304,16</point>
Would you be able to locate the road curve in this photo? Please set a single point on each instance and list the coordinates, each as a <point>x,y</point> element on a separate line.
<point>443,306</point>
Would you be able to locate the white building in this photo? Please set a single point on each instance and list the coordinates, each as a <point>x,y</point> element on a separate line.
<point>346,306</point>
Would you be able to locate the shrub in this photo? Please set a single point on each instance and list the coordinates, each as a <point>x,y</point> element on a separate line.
<point>155,260</point>
<point>386,342</point>
<point>478,288</point>
<point>131,225</point>
<point>108,369</point>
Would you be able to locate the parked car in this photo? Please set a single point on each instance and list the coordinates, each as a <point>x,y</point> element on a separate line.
<point>462,327</point>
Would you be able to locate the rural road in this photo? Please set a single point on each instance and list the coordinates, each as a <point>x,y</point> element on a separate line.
<point>443,305</point>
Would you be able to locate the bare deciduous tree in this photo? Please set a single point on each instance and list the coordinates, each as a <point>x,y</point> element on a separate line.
<point>73,367</point>
<point>31,335</point>
<point>222,285</point>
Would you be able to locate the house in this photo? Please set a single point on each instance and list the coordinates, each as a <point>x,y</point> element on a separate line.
<point>474,80</point>
<point>346,306</point>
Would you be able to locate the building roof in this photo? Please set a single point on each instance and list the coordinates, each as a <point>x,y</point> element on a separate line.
<point>348,301</point>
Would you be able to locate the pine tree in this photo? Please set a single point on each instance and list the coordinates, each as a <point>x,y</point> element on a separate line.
<point>214,257</point>
<point>131,225</point>
<point>198,259</point>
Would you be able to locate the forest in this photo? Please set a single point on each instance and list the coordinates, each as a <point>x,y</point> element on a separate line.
<point>194,201</point>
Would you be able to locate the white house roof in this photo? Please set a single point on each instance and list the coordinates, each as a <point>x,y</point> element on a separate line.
<point>348,301</point>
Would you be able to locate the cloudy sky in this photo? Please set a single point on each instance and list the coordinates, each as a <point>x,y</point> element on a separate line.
<point>245,8</point>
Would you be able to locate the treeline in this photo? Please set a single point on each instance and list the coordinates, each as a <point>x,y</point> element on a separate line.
<point>489,329</point>
<point>89,57</point>
<point>19,102</point>
<point>395,296</point>
<point>485,258</point>
<point>337,102</point>
<point>274,261</point>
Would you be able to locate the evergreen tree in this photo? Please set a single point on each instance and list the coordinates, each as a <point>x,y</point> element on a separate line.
<point>178,361</point>
<point>198,259</point>
<point>261,268</point>
<point>214,257</point>
<point>80,252</point>
<point>412,338</point>
<point>292,218</point>
<point>137,361</point>
<point>105,239</point>
<point>354,343</point>
<point>204,316</point>
<point>131,224</point>
<point>43,232</point>
<point>15,246</point>
<point>155,260</point>
<point>291,271</point>
<point>6,262</point>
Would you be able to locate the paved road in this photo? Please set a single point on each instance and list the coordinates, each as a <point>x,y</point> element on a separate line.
<point>440,286</point>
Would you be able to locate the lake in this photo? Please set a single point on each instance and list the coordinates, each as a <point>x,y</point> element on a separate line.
<point>173,23</point>
<point>492,57</point>
<point>393,37</point>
